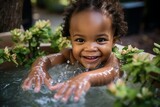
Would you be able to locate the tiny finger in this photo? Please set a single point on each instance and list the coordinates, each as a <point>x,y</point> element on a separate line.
<point>80,90</point>
<point>48,83</point>
<point>78,93</point>
<point>56,87</point>
<point>38,83</point>
<point>60,91</point>
<point>26,84</point>
<point>68,93</point>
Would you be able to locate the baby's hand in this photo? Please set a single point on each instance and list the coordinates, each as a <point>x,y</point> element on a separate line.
<point>76,86</point>
<point>37,77</point>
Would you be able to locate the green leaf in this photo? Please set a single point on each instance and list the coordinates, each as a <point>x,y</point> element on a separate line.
<point>33,44</point>
<point>156,60</point>
<point>157,45</point>
<point>156,50</point>
<point>1,61</point>
<point>118,103</point>
<point>152,69</point>
<point>137,63</point>
<point>132,93</point>
<point>1,51</point>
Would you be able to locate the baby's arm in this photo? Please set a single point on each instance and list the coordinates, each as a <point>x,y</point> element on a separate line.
<point>38,74</point>
<point>82,82</point>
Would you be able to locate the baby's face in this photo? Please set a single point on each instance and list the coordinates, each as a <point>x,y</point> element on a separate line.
<point>91,37</point>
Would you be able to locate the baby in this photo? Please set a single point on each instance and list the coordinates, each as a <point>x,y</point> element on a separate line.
<point>93,26</point>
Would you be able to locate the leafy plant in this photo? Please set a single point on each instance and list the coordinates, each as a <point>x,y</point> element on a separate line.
<point>156,59</point>
<point>142,71</point>
<point>58,42</point>
<point>7,56</point>
<point>27,43</point>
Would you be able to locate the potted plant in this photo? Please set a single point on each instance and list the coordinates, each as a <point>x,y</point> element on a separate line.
<point>143,73</point>
<point>27,45</point>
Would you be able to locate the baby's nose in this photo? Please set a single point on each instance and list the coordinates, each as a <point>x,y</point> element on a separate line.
<point>91,47</point>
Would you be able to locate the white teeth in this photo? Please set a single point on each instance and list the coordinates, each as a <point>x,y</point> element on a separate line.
<point>91,57</point>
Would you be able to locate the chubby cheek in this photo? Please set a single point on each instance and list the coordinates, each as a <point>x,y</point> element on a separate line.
<point>76,52</point>
<point>106,51</point>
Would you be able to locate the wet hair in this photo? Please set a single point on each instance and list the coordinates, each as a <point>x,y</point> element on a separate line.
<point>108,7</point>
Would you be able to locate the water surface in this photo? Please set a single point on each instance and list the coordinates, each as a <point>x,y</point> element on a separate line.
<point>12,95</point>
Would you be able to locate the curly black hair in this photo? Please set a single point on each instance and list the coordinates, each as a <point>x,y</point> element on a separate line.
<point>113,7</point>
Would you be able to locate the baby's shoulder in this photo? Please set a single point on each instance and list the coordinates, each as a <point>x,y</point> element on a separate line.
<point>66,52</point>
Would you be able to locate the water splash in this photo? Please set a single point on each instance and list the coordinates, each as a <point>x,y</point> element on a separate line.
<point>11,92</point>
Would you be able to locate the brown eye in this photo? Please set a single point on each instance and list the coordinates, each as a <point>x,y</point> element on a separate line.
<point>79,40</point>
<point>101,40</point>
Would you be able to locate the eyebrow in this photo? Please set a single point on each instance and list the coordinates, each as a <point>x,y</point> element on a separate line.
<point>77,34</point>
<point>100,34</point>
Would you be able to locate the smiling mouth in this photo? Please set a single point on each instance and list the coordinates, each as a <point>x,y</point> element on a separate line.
<point>90,59</point>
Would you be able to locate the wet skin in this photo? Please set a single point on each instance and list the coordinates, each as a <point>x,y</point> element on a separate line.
<point>92,42</point>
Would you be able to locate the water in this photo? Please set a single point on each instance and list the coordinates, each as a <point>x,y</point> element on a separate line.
<point>12,95</point>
